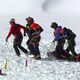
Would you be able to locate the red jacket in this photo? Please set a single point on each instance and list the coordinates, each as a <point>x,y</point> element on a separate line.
<point>34,26</point>
<point>15,30</point>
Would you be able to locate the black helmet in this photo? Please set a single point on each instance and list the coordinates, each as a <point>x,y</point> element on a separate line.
<point>65,29</point>
<point>12,20</point>
<point>30,20</point>
<point>54,24</point>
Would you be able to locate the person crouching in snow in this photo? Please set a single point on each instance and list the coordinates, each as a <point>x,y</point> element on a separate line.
<point>33,32</point>
<point>15,30</point>
<point>59,37</point>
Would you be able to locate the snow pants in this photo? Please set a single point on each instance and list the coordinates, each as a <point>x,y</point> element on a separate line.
<point>17,45</point>
<point>71,46</point>
<point>33,45</point>
<point>59,51</point>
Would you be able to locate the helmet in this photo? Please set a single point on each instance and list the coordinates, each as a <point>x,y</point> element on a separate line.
<point>54,24</point>
<point>65,29</point>
<point>12,20</point>
<point>30,20</point>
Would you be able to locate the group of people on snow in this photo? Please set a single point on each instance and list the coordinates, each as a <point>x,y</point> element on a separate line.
<point>33,30</point>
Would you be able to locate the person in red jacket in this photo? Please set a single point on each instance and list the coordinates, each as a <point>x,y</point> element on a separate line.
<point>15,30</point>
<point>33,32</point>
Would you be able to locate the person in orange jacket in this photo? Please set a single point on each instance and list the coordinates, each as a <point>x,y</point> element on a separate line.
<point>15,30</point>
<point>33,31</point>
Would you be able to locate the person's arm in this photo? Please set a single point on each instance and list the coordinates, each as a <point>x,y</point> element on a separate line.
<point>57,35</point>
<point>9,34</point>
<point>24,28</point>
<point>38,30</point>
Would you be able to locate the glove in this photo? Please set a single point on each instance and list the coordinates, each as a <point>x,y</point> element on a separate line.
<point>24,34</point>
<point>6,39</point>
<point>54,41</point>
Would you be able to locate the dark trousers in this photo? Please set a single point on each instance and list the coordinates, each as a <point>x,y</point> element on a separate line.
<point>71,46</point>
<point>34,49</point>
<point>33,45</point>
<point>17,45</point>
<point>59,52</point>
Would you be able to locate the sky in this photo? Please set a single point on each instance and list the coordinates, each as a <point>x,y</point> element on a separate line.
<point>65,12</point>
<point>8,7</point>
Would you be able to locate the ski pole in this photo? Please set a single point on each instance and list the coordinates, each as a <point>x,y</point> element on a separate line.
<point>6,64</point>
<point>26,62</point>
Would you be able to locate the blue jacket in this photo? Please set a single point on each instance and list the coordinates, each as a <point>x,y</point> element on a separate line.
<point>58,33</point>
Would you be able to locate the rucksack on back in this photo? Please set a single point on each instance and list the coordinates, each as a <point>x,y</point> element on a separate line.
<point>71,34</point>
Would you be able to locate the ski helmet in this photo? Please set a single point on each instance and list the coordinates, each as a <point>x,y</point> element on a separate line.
<point>12,20</point>
<point>54,25</point>
<point>30,20</point>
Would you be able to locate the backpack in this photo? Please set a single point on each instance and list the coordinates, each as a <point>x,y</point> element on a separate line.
<point>71,34</point>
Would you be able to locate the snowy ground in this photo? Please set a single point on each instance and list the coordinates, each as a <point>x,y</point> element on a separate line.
<point>45,69</point>
<point>66,13</point>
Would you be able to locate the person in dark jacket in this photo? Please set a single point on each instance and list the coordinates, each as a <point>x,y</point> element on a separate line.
<point>59,37</point>
<point>15,30</point>
<point>70,36</point>
<point>33,31</point>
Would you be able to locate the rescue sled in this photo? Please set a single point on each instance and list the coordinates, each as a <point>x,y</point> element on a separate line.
<point>78,57</point>
<point>71,58</point>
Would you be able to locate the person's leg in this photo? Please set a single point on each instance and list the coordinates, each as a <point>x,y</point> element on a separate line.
<point>68,47</point>
<point>37,52</point>
<point>19,41</point>
<point>15,47</point>
<point>36,47</point>
<point>23,49</point>
<point>73,50</point>
<point>58,51</point>
<point>31,49</point>
<point>33,44</point>
<point>30,46</point>
<point>16,50</point>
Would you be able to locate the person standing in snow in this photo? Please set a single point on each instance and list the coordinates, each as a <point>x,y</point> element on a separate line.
<point>15,30</point>
<point>59,37</point>
<point>33,32</point>
<point>70,36</point>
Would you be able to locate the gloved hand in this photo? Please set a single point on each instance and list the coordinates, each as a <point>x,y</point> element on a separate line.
<point>24,34</point>
<point>53,41</point>
<point>65,36</point>
<point>6,39</point>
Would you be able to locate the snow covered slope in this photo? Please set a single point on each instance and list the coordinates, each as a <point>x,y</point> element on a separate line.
<point>65,12</point>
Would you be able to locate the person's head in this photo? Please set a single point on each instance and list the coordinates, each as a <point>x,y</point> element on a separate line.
<point>12,21</point>
<point>65,29</point>
<point>30,20</point>
<point>54,25</point>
